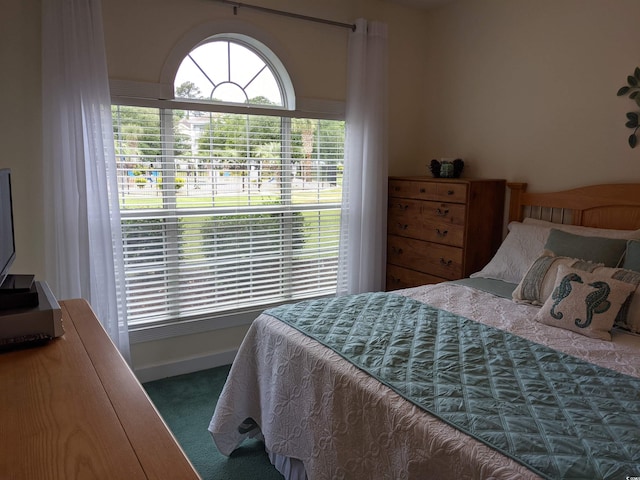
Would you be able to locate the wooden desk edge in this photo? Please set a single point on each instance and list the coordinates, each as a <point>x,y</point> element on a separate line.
<point>160,455</point>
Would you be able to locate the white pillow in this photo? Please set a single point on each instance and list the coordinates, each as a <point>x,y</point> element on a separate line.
<point>525,243</point>
<point>522,246</point>
<point>586,231</point>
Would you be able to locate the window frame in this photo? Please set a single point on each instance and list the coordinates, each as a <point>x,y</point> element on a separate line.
<point>315,110</point>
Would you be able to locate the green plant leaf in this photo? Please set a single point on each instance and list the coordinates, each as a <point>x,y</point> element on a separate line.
<point>633,89</point>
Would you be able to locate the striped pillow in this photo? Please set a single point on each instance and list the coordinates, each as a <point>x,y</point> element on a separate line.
<point>537,284</point>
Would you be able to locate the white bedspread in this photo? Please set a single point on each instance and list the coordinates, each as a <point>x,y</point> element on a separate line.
<point>313,405</point>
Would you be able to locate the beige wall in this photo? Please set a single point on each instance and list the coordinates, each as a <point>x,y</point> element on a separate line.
<point>20,130</point>
<point>523,90</point>
<point>526,90</point>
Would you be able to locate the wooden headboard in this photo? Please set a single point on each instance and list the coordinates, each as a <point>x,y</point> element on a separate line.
<point>604,206</point>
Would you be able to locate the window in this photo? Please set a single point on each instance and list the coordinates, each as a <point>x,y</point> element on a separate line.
<point>226,69</point>
<point>226,210</point>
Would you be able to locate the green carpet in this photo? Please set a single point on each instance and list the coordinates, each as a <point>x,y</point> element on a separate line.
<point>187,402</point>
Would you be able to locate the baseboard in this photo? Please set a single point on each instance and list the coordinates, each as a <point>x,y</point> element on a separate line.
<point>156,372</point>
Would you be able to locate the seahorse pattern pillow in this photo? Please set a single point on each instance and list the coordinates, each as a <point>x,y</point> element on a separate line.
<point>584,302</point>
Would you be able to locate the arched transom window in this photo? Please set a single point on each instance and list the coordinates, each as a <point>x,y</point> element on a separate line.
<point>233,69</point>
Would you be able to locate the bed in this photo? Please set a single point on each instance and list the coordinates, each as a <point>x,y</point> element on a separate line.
<point>527,369</point>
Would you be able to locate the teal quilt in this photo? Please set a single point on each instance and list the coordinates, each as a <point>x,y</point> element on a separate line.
<point>562,417</point>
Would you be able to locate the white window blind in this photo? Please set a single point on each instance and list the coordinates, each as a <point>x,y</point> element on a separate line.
<point>223,211</point>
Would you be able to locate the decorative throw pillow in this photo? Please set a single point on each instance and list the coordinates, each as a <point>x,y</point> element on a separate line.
<point>629,316</point>
<point>632,256</point>
<point>584,302</point>
<point>539,281</point>
<point>608,251</point>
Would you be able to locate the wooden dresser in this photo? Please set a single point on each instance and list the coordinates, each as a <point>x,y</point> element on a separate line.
<point>72,409</point>
<point>441,229</point>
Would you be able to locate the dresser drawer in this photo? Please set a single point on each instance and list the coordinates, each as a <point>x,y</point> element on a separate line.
<point>400,277</point>
<point>439,260</point>
<point>431,221</point>
<point>435,190</point>
<point>398,208</point>
<point>452,235</point>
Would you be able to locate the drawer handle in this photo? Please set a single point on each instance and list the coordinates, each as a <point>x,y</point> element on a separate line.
<point>397,250</point>
<point>442,213</point>
<point>442,233</point>
<point>402,207</point>
<point>422,190</point>
<point>397,189</point>
<point>446,263</point>
<point>403,226</point>
<point>450,192</point>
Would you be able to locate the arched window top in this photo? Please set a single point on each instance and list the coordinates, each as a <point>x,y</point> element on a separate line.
<point>234,69</point>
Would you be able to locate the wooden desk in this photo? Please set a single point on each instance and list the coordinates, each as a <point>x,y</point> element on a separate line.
<point>72,409</point>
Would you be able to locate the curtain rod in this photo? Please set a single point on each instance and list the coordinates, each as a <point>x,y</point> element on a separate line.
<point>236,5</point>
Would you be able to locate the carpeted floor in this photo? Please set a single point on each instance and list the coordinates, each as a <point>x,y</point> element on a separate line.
<point>186,403</point>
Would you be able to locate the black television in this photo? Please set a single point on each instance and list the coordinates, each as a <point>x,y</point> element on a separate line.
<point>7,236</point>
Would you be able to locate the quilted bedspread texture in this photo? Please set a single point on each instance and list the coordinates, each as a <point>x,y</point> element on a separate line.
<point>560,416</point>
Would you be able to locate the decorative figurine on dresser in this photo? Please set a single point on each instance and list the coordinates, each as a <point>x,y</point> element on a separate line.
<point>441,228</point>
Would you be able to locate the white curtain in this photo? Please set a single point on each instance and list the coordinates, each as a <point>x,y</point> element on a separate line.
<point>364,202</point>
<point>83,242</point>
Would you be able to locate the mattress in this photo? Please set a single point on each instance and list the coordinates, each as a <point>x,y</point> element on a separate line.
<point>311,404</point>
